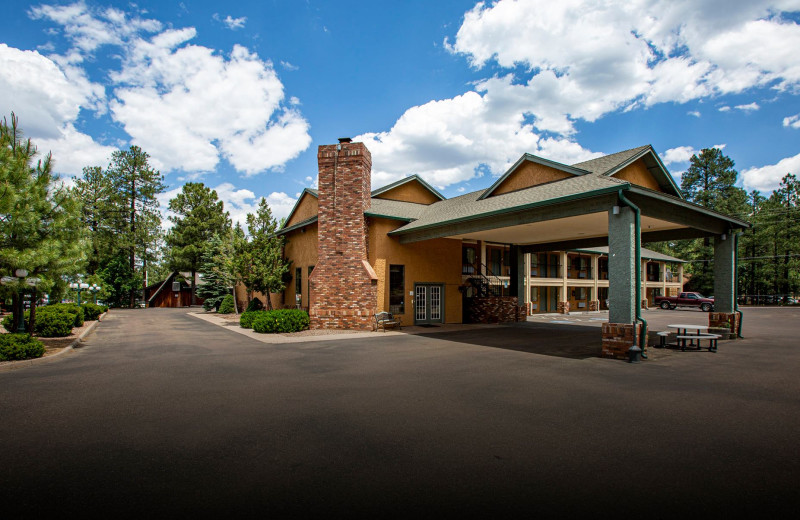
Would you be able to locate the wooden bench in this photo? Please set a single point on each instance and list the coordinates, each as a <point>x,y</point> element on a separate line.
<point>712,340</point>
<point>387,319</point>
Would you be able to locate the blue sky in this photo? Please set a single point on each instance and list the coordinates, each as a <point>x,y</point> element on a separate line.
<point>240,95</point>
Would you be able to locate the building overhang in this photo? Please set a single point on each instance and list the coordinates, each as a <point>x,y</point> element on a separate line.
<point>579,221</point>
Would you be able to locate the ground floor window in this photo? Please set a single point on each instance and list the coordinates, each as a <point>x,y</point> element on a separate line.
<point>397,289</point>
<point>580,295</point>
<point>544,299</point>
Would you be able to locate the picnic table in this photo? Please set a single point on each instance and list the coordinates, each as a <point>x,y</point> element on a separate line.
<point>683,335</point>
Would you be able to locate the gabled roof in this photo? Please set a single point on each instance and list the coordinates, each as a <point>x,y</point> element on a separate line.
<point>534,159</point>
<point>609,165</point>
<point>475,205</point>
<point>395,209</point>
<point>406,180</point>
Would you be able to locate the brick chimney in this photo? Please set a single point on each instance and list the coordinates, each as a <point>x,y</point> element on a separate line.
<point>343,283</point>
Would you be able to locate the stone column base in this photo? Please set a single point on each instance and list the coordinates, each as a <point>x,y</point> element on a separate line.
<point>563,307</point>
<point>594,305</point>
<point>618,338</point>
<point>727,320</point>
<point>645,304</point>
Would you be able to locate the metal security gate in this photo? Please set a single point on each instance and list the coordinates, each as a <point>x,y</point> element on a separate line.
<point>428,304</point>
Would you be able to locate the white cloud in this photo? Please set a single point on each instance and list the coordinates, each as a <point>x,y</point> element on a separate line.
<point>680,154</point>
<point>240,202</point>
<point>588,58</point>
<point>43,94</point>
<point>288,66</point>
<point>448,141</point>
<point>72,150</point>
<point>724,108</point>
<point>751,107</point>
<point>230,22</point>
<point>694,113</point>
<point>768,178</point>
<point>189,106</point>
<point>561,62</point>
<point>792,121</point>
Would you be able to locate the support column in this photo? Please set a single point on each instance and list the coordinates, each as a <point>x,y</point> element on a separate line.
<point>563,305</point>
<point>724,283</point>
<point>619,332</point>
<point>516,283</point>
<point>594,305</point>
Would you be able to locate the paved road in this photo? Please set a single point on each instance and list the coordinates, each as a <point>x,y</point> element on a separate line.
<point>163,412</point>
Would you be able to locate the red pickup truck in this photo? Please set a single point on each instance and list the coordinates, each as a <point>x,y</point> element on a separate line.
<point>686,299</point>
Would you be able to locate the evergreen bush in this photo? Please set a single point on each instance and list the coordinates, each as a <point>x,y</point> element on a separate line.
<point>55,322</point>
<point>93,311</point>
<point>226,307</point>
<point>283,320</point>
<point>247,318</point>
<point>19,346</point>
<point>73,308</point>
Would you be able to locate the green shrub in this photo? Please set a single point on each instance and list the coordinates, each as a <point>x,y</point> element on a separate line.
<point>283,320</point>
<point>72,308</point>
<point>247,317</point>
<point>255,305</point>
<point>226,307</point>
<point>55,322</point>
<point>19,346</point>
<point>92,311</point>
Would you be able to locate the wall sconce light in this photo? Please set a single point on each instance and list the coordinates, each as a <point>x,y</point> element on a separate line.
<point>724,236</point>
<point>615,210</point>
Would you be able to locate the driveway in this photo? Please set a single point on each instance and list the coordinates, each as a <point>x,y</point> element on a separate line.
<point>160,411</point>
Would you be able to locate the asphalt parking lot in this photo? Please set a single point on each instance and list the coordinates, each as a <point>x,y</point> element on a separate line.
<point>162,412</point>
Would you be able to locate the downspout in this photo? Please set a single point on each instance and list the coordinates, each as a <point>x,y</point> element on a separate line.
<point>638,270</point>
<point>736,284</point>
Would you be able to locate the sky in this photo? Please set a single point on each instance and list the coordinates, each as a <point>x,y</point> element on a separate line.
<point>239,96</point>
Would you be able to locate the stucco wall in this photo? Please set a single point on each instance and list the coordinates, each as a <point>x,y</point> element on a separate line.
<point>411,191</point>
<point>307,208</point>
<point>637,173</point>
<point>301,249</point>
<point>529,174</point>
<point>432,261</point>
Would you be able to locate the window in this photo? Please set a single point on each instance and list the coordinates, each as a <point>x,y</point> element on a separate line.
<point>469,257</point>
<point>397,289</point>
<point>497,262</point>
<point>602,267</point>
<point>298,281</point>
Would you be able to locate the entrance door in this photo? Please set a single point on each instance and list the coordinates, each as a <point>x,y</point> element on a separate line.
<point>428,304</point>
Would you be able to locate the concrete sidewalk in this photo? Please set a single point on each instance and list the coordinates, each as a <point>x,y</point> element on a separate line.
<point>315,336</point>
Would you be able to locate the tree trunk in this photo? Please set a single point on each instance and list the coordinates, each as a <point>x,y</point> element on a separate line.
<point>15,311</point>
<point>235,301</point>
<point>193,300</point>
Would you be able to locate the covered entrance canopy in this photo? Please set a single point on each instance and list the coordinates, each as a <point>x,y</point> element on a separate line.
<point>541,205</point>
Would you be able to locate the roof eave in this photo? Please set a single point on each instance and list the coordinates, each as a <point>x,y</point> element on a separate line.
<point>297,203</point>
<point>406,180</point>
<point>634,158</point>
<point>523,207</point>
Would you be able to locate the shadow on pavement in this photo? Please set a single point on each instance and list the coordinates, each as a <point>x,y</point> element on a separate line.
<point>565,341</point>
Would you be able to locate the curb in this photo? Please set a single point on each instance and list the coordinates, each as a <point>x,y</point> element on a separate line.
<point>14,365</point>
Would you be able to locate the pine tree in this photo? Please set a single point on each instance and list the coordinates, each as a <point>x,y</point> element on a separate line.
<point>94,191</point>
<point>217,270</point>
<point>40,226</point>
<point>199,215</point>
<point>262,259</point>
<point>710,182</point>
<point>135,185</point>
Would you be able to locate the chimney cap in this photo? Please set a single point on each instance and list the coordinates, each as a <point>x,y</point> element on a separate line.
<point>344,140</point>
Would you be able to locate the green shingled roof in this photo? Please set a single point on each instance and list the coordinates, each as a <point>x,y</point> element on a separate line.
<point>609,163</point>
<point>472,206</point>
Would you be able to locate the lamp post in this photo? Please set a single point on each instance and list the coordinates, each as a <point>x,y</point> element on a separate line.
<point>19,276</point>
<point>79,286</point>
<point>95,289</point>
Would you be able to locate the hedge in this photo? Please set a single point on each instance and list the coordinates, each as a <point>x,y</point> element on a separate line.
<point>283,320</point>
<point>93,311</point>
<point>226,307</point>
<point>52,321</point>
<point>19,346</point>
<point>247,317</point>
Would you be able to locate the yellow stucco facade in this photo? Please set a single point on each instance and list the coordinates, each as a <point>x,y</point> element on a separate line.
<point>529,174</point>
